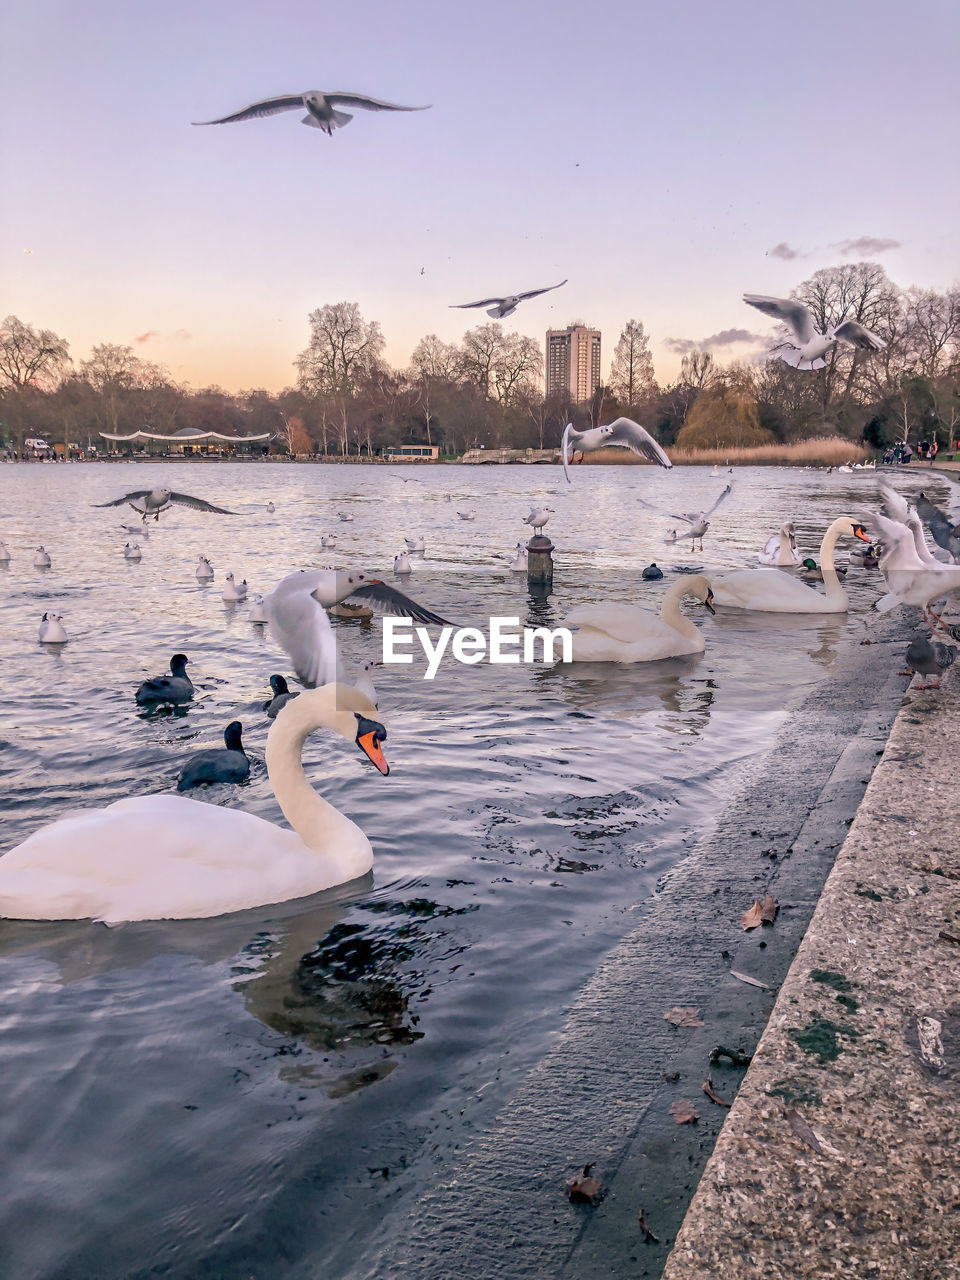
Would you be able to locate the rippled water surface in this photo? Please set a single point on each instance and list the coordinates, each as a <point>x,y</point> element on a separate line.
<point>255,1094</point>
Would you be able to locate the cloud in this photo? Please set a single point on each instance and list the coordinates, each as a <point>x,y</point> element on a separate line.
<point>725,338</point>
<point>866,244</point>
<point>783,250</point>
<point>180,334</point>
<point>145,337</point>
<point>183,335</point>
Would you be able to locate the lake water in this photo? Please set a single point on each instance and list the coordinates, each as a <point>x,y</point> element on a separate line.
<point>255,1095</point>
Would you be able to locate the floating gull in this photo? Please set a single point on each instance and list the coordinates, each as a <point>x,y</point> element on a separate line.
<point>319,106</point>
<point>416,544</point>
<point>157,500</point>
<point>258,613</point>
<point>467,515</point>
<point>502,307</point>
<point>402,565</point>
<point>345,516</point>
<point>811,346</point>
<point>42,559</point>
<point>624,433</point>
<point>204,569</point>
<point>132,552</point>
<point>4,553</point>
<point>51,629</point>
<point>233,591</point>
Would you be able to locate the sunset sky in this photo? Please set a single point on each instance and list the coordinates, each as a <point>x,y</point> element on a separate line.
<point>654,154</point>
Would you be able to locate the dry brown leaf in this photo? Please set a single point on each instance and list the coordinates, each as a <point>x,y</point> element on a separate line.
<point>684,1112</point>
<point>803,1130</point>
<point>769,910</point>
<point>753,918</point>
<point>648,1236</point>
<point>745,977</point>
<point>684,1016</point>
<point>707,1087</point>
<point>583,1189</point>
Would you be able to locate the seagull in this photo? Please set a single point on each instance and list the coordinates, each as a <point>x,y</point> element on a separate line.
<point>51,629</point>
<point>233,591</point>
<point>258,614</point>
<point>295,610</point>
<point>467,515</point>
<point>319,106</point>
<point>204,569</point>
<point>328,540</point>
<point>910,580</point>
<point>132,552</point>
<point>42,559</point>
<point>416,544</point>
<point>162,499</point>
<point>810,346</point>
<point>503,307</point>
<point>402,565</point>
<point>345,516</point>
<point>538,517</point>
<point>625,433</point>
<point>699,522</point>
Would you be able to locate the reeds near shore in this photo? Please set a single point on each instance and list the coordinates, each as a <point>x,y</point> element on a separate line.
<point>826,451</point>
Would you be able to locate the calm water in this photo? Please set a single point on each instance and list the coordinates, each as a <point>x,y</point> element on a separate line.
<point>255,1094</point>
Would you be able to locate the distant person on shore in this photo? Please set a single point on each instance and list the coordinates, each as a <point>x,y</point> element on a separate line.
<point>907,454</point>
<point>933,451</point>
<point>922,448</point>
<point>897,453</point>
<point>887,457</point>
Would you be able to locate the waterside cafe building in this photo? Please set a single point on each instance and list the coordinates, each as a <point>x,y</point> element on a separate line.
<point>188,442</point>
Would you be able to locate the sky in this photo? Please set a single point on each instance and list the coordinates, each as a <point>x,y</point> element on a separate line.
<point>654,154</point>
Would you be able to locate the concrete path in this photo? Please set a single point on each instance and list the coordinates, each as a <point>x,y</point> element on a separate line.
<point>841,1155</point>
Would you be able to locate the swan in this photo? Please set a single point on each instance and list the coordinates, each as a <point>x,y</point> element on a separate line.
<point>416,544</point>
<point>4,553</point>
<point>42,559</point>
<point>233,591</point>
<point>204,569</point>
<point>767,591</point>
<point>895,506</point>
<point>132,552</point>
<point>176,687</point>
<point>910,580</point>
<point>609,632</point>
<point>217,764</point>
<point>166,857</point>
<point>51,629</point>
<point>781,549</point>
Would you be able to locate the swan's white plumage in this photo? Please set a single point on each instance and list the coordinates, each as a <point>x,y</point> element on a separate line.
<point>613,632</point>
<point>769,591</point>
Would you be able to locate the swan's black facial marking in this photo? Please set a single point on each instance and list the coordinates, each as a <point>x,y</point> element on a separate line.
<point>709,602</point>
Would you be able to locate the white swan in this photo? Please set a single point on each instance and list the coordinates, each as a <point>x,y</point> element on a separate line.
<point>169,858</point>
<point>781,548</point>
<point>768,591</point>
<point>233,591</point>
<point>609,632</point>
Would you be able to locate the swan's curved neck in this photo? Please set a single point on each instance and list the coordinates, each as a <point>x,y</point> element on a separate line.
<point>831,579</point>
<point>671,613</point>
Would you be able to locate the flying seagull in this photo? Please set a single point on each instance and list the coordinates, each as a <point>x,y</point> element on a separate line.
<point>810,346</point>
<point>624,433</point>
<point>157,500</point>
<point>319,106</point>
<point>298,622</point>
<point>502,307</point>
<point>699,521</point>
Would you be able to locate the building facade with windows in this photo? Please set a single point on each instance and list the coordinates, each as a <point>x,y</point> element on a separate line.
<point>573,362</point>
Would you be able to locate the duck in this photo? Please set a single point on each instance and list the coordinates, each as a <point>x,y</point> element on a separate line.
<point>811,571</point>
<point>204,569</point>
<point>4,553</point>
<point>42,559</point>
<point>611,632</point>
<point>282,694</point>
<point>416,544</point>
<point>169,857</point>
<point>258,612</point>
<point>132,552</point>
<point>175,688</point>
<point>781,548</point>
<point>228,763</point>
<point>767,592</point>
<point>52,630</point>
<point>652,572</point>
<point>328,540</point>
<point>233,591</point>
<point>867,558</point>
<point>402,565</point>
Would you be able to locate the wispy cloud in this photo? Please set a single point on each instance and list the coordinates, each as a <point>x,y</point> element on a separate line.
<point>145,337</point>
<point>783,250</point>
<point>181,335</point>
<point>725,338</point>
<point>866,244</point>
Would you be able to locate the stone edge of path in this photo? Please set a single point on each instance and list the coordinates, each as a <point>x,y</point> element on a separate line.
<point>861,1056</point>
<point>603,1093</point>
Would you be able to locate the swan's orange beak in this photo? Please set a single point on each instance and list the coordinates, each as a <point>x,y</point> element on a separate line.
<point>369,744</point>
<point>859,533</point>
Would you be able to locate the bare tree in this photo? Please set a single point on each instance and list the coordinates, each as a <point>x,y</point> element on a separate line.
<point>31,357</point>
<point>519,364</point>
<point>631,372</point>
<point>697,369</point>
<point>343,351</point>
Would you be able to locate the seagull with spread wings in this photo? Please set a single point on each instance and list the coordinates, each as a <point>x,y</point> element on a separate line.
<point>502,307</point>
<point>319,106</point>
<point>625,433</point>
<point>699,521</point>
<point>156,500</point>
<point>810,347</point>
<point>299,624</point>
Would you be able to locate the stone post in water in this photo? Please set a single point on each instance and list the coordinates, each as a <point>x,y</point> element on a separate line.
<point>540,564</point>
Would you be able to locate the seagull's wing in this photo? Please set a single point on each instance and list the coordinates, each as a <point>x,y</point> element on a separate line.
<point>726,493</point>
<point>565,440</point>
<point>689,518</point>
<point>857,336</point>
<point>367,104</point>
<point>535,293</point>
<point>127,497</point>
<point>484,302</point>
<point>390,600</point>
<point>793,314</point>
<point>302,629</point>
<point>631,435</point>
<point>894,504</point>
<point>268,107</point>
<point>185,500</point>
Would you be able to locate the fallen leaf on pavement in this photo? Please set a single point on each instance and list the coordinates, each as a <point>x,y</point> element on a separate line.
<point>806,1134</point>
<point>769,910</point>
<point>684,1112</point>
<point>745,977</point>
<point>648,1236</point>
<point>707,1087</point>
<point>584,1189</point>
<point>684,1016</point>
<point>764,912</point>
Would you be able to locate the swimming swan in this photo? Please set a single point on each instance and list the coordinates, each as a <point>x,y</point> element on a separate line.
<point>611,632</point>
<point>167,857</point>
<point>768,591</point>
<point>781,548</point>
